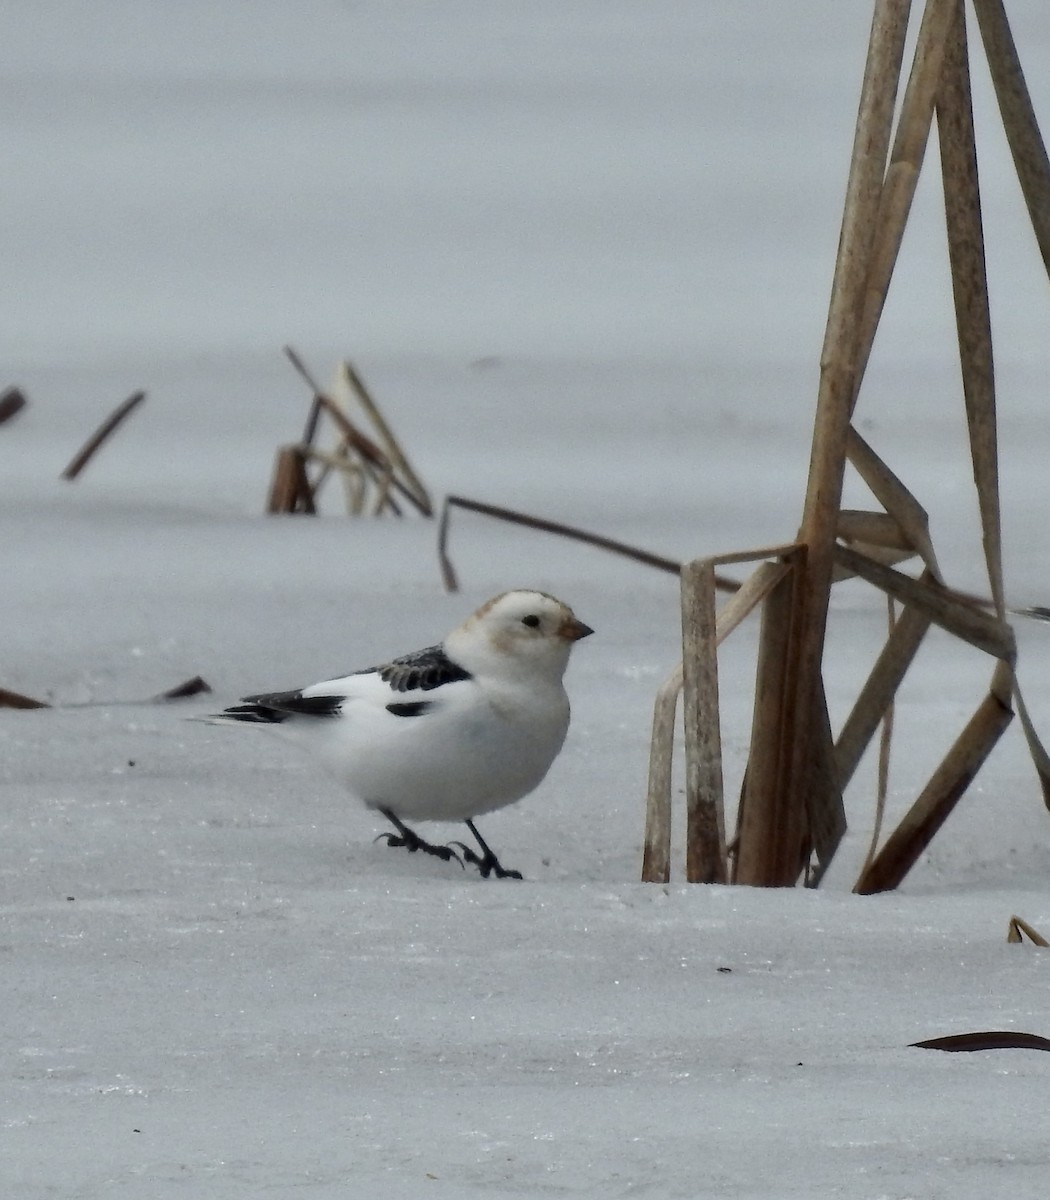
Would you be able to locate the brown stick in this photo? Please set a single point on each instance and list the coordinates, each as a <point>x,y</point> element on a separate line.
<point>705,855</point>
<point>959,617</point>
<point>938,798</point>
<point>80,460</point>
<point>769,837</point>
<point>12,401</point>
<point>1017,927</point>
<point>181,691</point>
<point>656,858</point>
<point>10,699</point>
<point>290,490</point>
<point>393,447</point>
<point>448,572</point>
<point>876,696</point>
<point>962,203</point>
<point>1019,120</point>
<point>902,173</point>
<point>836,396</point>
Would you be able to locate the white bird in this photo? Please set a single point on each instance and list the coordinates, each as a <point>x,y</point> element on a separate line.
<point>445,733</point>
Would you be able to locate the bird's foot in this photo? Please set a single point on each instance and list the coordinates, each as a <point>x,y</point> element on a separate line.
<point>413,842</point>
<point>487,863</point>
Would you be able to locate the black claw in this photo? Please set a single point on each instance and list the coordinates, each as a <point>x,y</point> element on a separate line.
<point>413,842</point>
<point>487,864</point>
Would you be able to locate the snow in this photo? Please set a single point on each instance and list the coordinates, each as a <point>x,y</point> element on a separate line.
<point>581,253</point>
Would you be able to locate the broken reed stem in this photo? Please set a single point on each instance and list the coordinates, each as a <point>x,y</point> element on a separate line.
<point>448,572</point>
<point>119,414</point>
<point>877,694</point>
<point>705,855</point>
<point>902,173</point>
<point>962,204</point>
<point>883,778</point>
<point>1017,927</point>
<point>393,447</point>
<point>836,395</point>
<point>937,800</point>
<point>290,488</point>
<point>12,401</point>
<point>9,699</point>
<point>656,856</point>
<point>964,620</point>
<point>1019,120</point>
<point>374,459</point>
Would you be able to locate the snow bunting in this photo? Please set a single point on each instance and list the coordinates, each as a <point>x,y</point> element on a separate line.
<point>445,733</point>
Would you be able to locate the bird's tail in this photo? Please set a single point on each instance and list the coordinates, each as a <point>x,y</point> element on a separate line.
<point>244,714</point>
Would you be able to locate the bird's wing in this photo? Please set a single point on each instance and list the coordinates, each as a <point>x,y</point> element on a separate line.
<point>378,687</point>
<point>423,670</point>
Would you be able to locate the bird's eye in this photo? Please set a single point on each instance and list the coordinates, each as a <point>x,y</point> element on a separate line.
<point>531,620</point>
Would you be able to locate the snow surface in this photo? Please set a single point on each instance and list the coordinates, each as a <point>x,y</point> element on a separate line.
<point>581,251</point>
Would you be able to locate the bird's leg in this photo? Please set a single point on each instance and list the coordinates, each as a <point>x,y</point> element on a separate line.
<point>412,841</point>
<point>487,863</point>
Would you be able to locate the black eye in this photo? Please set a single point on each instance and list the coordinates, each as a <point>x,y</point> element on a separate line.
<point>531,620</point>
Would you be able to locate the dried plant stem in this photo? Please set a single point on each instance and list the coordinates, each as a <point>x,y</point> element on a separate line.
<point>448,572</point>
<point>12,401</point>
<point>393,448</point>
<point>9,699</point>
<point>119,414</point>
<point>1022,129</point>
<point>882,783</point>
<point>656,856</point>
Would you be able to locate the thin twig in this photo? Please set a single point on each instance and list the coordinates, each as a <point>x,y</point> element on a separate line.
<point>9,699</point>
<point>80,460</point>
<point>12,401</point>
<point>448,572</point>
<point>371,453</point>
<point>393,447</point>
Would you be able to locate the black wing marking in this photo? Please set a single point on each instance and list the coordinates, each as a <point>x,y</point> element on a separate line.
<point>274,707</point>
<point>413,708</point>
<point>421,671</point>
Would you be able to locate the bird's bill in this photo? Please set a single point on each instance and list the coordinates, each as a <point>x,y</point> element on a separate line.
<point>572,630</point>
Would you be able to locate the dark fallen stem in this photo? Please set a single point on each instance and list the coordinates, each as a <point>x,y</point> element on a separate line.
<point>669,565</point>
<point>81,460</point>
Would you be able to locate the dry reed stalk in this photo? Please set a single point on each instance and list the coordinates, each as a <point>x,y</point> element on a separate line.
<point>705,854</point>
<point>766,831</point>
<point>1022,128</point>
<point>448,572</point>
<point>885,741</point>
<point>392,446</point>
<point>895,498</point>
<point>81,459</point>
<point>962,203</point>
<point>9,699</point>
<point>656,856</point>
<point>825,807</point>
<point>182,691</point>
<point>877,696</point>
<point>656,852</point>
<point>902,173</point>
<point>838,375</point>
<point>290,489</point>
<point>937,800</point>
<point>963,619</point>
<point>375,461</point>
<point>1017,927</point>
<point>12,401</point>
<point>1040,758</point>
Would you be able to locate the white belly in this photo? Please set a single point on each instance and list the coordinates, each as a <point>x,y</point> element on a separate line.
<point>450,763</point>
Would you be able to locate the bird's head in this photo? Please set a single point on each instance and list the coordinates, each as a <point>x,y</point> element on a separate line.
<point>527,629</point>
